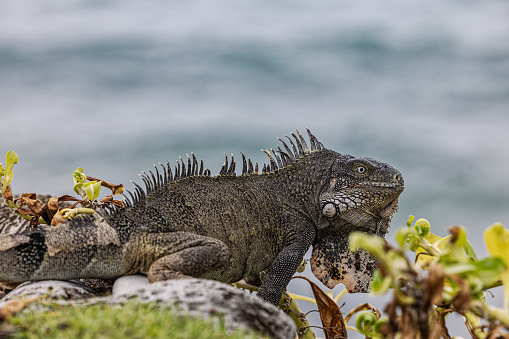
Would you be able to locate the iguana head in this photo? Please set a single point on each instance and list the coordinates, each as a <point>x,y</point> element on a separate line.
<point>357,194</point>
<point>362,195</point>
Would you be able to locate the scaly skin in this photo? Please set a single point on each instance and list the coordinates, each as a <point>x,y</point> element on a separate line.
<point>223,228</point>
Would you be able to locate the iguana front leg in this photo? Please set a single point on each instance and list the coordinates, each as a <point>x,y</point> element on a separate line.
<point>174,255</point>
<point>283,268</point>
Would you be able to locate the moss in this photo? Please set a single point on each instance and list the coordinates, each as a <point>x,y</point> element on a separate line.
<point>130,320</point>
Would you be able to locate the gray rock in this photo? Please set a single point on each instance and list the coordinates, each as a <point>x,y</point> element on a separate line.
<point>129,284</point>
<point>196,297</point>
<point>200,297</point>
<point>54,289</point>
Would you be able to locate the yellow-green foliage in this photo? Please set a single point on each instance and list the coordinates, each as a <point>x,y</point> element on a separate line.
<point>456,280</point>
<point>11,159</point>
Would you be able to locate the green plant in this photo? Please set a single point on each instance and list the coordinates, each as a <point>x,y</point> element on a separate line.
<point>6,175</point>
<point>446,277</point>
<point>29,207</point>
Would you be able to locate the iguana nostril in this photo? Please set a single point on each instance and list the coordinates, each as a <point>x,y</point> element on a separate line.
<point>398,177</point>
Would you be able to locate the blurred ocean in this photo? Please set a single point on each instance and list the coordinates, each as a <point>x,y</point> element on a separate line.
<point>115,86</point>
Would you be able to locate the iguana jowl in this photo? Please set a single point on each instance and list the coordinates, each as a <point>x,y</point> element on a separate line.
<point>226,227</point>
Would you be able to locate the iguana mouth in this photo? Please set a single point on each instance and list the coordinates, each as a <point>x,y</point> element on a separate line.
<point>376,184</point>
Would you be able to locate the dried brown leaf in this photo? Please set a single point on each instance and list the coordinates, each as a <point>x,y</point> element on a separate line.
<point>49,210</point>
<point>109,199</point>
<point>390,328</point>
<point>115,189</point>
<point>7,286</point>
<point>437,324</point>
<point>363,307</point>
<point>463,299</point>
<point>24,211</point>
<point>8,193</point>
<point>67,198</point>
<point>434,286</point>
<point>496,334</point>
<point>408,327</point>
<point>332,319</point>
<point>470,328</point>
<point>455,231</point>
<point>30,199</point>
<point>15,306</point>
<point>29,195</point>
<point>57,219</point>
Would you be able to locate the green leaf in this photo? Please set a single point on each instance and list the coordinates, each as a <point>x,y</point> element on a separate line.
<point>489,269</point>
<point>11,159</point>
<point>378,326</point>
<point>89,190</point>
<point>97,188</point>
<point>422,227</point>
<point>410,220</point>
<point>469,250</point>
<point>78,176</point>
<point>497,241</point>
<point>408,235</point>
<point>458,268</point>
<point>371,243</point>
<point>422,258</point>
<point>380,285</point>
<point>453,246</point>
<point>92,189</point>
<point>365,322</point>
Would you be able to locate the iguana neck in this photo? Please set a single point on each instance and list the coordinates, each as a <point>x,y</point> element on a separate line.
<point>301,183</point>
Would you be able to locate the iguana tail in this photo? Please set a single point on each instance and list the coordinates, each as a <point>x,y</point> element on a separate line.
<point>90,249</point>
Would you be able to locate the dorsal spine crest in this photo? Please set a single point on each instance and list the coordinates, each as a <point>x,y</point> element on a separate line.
<point>278,159</point>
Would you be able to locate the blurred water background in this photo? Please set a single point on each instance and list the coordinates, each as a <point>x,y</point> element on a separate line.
<point>114,86</point>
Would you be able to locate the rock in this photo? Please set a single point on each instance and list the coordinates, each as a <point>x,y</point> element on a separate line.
<point>200,297</point>
<point>196,297</point>
<point>54,289</point>
<point>129,284</point>
<point>100,287</point>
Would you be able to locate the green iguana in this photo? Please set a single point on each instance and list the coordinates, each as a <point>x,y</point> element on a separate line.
<point>227,227</point>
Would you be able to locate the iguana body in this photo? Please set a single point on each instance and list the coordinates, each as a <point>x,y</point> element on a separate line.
<point>224,228</point>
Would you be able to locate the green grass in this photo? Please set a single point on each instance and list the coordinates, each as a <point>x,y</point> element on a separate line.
<point>131,320</point>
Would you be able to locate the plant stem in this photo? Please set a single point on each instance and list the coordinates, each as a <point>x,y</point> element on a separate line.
<point>290,307</point>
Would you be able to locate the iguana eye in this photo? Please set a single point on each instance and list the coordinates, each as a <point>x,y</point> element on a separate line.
<point>361,169</point>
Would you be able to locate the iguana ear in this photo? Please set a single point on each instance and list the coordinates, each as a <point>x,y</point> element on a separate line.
<point>332,263</point>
